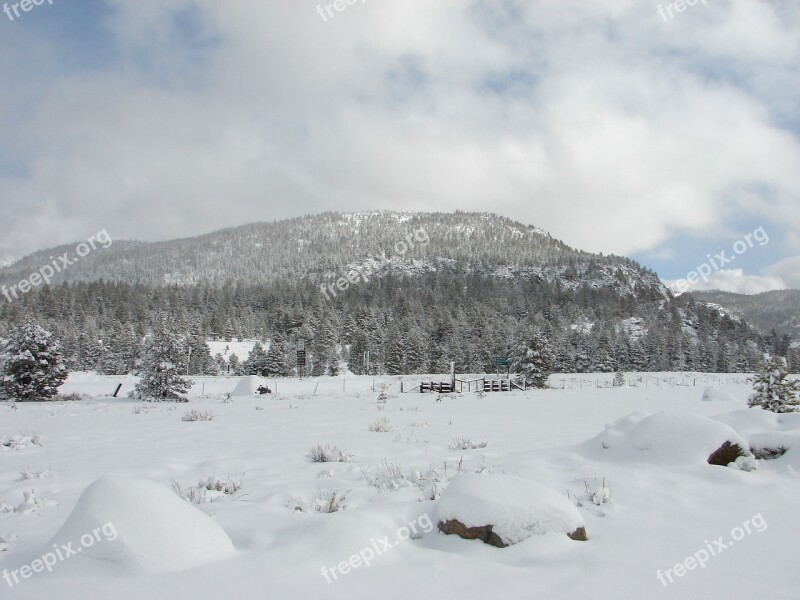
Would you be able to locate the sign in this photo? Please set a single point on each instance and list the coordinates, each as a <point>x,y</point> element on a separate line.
<point>301,358</point>
<point>502,361</point>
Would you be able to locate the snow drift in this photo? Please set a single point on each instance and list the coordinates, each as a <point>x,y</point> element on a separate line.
<point>248,386</point>
<point>143,526</point>
<point>717,395</point>
<point>503,510</point>
<point>662,438</point>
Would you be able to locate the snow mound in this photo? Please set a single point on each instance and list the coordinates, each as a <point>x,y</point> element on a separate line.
<point>766,430</point>
<point>717,395</point>
<point>138,525</point>
<point>248,386</point>
<point>515,508</point>
<point>661,438</point>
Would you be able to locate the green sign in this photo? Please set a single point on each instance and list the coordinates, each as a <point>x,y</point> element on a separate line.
<point>501,361</point>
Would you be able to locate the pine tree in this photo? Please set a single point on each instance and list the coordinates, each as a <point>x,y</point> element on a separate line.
<point>234,365</point>
<point>256,363</point>
<point>394,352</point>
<point>359,346</point>
<point>199,356</point>
<point>277,364</point>
<point>31,366</point>
<point>532,359</point>
<point>333,363</point>
<point>161,367</point>
<point>772,390</point>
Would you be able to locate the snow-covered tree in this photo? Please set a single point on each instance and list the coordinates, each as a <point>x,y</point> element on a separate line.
<point>532,359</point>
<point>772,390</point>
<point>199,356</point>
<point>256,363</point>
<point>234,365</point>
<point>31,366</point>
<point>277,364</point>
<point>161,366</point>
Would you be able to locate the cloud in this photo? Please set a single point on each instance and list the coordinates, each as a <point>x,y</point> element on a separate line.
<point>787,270</point>
<point>598,122</point>
<point>733,280</point>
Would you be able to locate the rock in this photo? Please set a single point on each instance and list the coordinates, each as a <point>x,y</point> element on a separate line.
<point>726,454</point>
<point>502,510</point>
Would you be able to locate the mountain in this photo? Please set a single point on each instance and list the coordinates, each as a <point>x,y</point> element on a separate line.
<point>322,246</point>
<point>778,309</point>
<point>416,290</point>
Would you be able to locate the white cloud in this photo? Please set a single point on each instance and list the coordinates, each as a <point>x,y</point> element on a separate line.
<point>596,121</point>
<point>732,280</point>
<point>788,270</point>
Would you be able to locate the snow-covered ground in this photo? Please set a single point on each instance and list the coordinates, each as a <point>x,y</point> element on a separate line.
<point>648,498</point>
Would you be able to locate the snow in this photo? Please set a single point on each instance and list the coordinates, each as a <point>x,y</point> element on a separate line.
<point>241,348</point>
<point>516,508</point>
<point>654,506</point>
<point>662,438</point>
<point>717,395</point>
<point>248,386</point>
<point>148,529</point>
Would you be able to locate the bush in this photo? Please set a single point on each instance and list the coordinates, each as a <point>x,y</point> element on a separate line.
<point>209,490</point>
<point>320,454</point>
<point>196,415</point>
<point>380,426</point>
<point>464,443</point>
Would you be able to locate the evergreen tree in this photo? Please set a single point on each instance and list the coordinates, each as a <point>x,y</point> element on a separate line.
<point>199,356</point>
<point>234,365</point>
<point>161,367</point>
<point>31,367</point>
<point>332,363</point>
<point>256,363</point>
<point>532,359</point>
<point>277,364</point>
<point>772,390</point>
<point>359,346</point>
<point>394,352</point>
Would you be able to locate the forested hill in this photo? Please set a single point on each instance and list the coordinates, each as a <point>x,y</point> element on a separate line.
<point>777,310</point>
<point>425,289</point>
<point>323,245</point>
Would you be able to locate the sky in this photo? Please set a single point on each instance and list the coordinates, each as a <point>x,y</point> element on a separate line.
<point>624,126</point>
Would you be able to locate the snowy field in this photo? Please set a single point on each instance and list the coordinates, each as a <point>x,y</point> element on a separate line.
<point>642,487</point>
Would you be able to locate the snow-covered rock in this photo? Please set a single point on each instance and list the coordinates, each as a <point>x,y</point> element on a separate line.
<point>138,525</point>
<point>718,395</point>
<point>665,438</point>
<point>502,510</point>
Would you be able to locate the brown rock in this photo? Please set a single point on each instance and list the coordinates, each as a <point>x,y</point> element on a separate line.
<point>726,454</point>
<point>485,534</point>
<point>578,535</point>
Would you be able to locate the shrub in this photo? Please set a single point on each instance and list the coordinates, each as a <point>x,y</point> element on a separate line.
<point>381,425</point>
<point>320,454</point>
<point>196,415</point>
<point>464,443</point>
